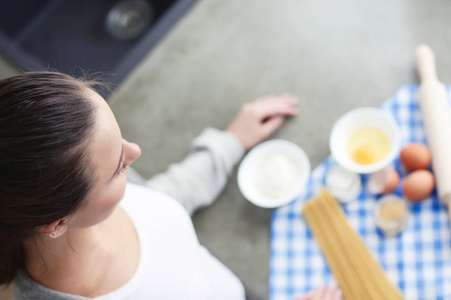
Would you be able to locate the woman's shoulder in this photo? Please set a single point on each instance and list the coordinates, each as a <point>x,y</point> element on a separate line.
<point>26,288</point>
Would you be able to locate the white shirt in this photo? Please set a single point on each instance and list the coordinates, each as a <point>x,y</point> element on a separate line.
<point>173,265</point>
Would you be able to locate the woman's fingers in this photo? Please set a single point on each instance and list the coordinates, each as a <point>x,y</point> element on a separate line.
<point>307,296</point>
<point>272,124</point>
<point>270,106</point>
<point>257,120</point>
<point>322,293</point>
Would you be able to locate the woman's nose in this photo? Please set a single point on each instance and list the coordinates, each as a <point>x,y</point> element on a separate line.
<point>133,151</point>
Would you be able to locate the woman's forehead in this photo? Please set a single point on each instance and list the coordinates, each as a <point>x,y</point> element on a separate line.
<point>106,140</point>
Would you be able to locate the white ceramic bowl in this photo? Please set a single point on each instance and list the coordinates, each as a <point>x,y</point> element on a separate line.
<point>357,119</point>
<point>262,153</point>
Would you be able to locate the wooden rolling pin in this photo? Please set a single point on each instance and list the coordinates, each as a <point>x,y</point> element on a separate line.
<point>436,115</point>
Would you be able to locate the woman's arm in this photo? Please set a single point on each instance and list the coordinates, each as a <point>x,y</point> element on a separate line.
<point>202,175</point>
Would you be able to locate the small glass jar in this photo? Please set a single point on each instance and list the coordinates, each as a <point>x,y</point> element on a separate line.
<point>343,184</point>
<point>391,214</point>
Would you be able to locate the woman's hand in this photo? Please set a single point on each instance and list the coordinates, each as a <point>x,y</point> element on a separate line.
<point>322,293</point>
<point>257,120</point>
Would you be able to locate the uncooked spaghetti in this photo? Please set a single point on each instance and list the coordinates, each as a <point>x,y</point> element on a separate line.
<point>356,271</point>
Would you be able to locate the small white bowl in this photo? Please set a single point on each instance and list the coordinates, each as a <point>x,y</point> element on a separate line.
<point>258,165</point>
<point>357,119</point>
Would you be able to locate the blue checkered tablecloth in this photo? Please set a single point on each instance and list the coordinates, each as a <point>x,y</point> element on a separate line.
<point>418,261</point>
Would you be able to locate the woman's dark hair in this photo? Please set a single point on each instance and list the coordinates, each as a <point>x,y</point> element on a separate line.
<point>46,121</point>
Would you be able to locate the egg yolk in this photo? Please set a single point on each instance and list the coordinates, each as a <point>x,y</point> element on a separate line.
<point>368,146</point>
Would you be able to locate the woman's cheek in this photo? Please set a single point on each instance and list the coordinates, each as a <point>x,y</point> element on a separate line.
<point>119,189</point>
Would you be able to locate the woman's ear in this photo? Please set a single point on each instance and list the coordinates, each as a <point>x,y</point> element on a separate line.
<point>56,229</point>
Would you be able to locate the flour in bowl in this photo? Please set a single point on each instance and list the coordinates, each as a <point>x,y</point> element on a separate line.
<point>278,176</point>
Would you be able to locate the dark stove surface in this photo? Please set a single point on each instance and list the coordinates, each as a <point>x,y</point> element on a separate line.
<point>71,36</point>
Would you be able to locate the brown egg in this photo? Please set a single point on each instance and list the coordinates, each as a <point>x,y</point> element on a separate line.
<point>415,156</point>
<point>392,181</point>
<point>418,185</point>
<point>384,181</point>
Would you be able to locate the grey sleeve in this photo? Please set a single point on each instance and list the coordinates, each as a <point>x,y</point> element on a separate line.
<point>198,179</point>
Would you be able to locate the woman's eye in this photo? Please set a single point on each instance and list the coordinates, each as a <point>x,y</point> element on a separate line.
<point>122,169</point>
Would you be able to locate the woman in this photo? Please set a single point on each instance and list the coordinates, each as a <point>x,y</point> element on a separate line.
<point>64,166</point>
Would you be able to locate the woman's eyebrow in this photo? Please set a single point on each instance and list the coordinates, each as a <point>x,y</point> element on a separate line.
<point>120,162</point>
